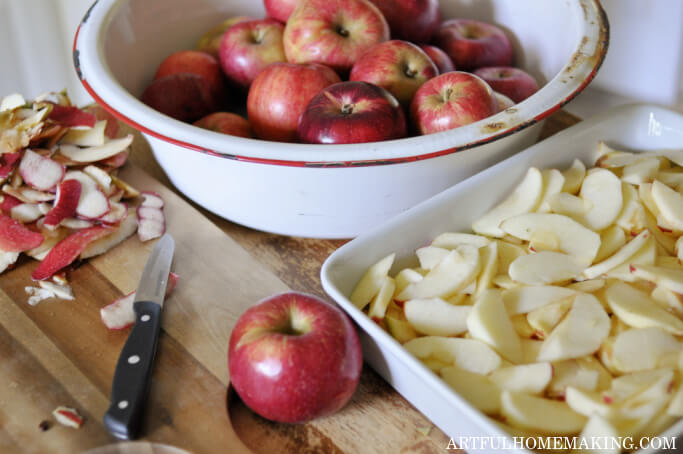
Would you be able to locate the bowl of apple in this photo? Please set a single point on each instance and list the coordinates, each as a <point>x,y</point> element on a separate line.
<point>324,118</point>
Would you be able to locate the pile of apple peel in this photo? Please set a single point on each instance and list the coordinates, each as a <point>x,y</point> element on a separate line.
<point>61,200</point>
<point>561,313</point>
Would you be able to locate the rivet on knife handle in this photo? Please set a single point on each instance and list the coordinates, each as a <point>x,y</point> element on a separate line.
<point>133,372</point>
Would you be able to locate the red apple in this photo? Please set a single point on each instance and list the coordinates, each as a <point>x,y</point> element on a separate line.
<point>293,357</point>
<point>210,42</point>
<point>439,57</point>
<point>473,44</point>
<point>515,83</point>
<point>225,123</point>
<point>194,62</point>
<point>333,32</point>
<point>279,9</point>
<point>450,100</point>
<point>248,47</point>
<point>352,112</point>
<point>411,20</point>
<point>279,95</point>
<point>503,101</point>
<point>183,96</point>
<point>398,66</point>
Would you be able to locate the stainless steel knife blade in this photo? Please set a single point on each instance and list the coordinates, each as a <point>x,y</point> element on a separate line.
<point>154,277</point>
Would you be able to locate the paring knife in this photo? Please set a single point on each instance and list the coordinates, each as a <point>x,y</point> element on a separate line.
<point>134,367</point>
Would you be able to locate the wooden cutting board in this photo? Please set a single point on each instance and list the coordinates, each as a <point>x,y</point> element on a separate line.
<point>60,353</point>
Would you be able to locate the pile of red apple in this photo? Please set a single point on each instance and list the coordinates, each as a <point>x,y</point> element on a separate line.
<point>341,71</point>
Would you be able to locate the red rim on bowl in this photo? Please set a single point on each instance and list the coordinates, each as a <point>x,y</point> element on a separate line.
<point>568,83</point>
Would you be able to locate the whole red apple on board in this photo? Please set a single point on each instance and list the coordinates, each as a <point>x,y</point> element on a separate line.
<point>439,57</point>
<point>333,32</point>
<point>279,95</point>
<point>279,9</point>
<point>398,66</point>
<point>472,44</point>
<point>225,123</point>
<point>210,42</point>
<point>412,20</point>
<point>450,100</point>
<point>194,62</point>
<point>248,47</point>
<point>352,112</point>
<point>293,357</point>
<point>514,83</point>
<point>183,96</point>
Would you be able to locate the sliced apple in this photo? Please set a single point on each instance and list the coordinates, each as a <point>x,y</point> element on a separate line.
<point>666,241</point>
<point>591,363</point>
<point>675,156</point>
<point>404,278</point>
<point>573,177</point>
<point>574,239</point>
<point>545,318</point>
<point>536,413</point>
<point>544,240</point>
<point>668,300</point>
<point>489,322</point>
<point>571,373</point>
<point>530,350</point>
<point>545,267</point>
<point>468,354</point>
<point>400,329</point>
<point>675,408</point>
<point>629,385</point>
<point>526,378</point>
<point>611,240</point>
<point>489,267</point>
<point>588,286</point>
<point>523,199</point>
<point>451,240</point>
<point>477,389</point>
<point>507,253</point>
<point>636,309</point>
<point>599,428</point>
<point>581,332</point>
<point>553,181</point>
<point>430,256</point>
<point>669,278</point>
<point>646,255</point>
<point>643,349</point>
<point>505,282</point>
<point>602,190</point>
<point>127,228</point>
<point>371,282</point>
<point>86,137</point>
<point>588,403</point>
<point>669,203</point>
<point>434,364</point>
<point>619,257</point>
<point>673,179</point>
<point>524,299</point>
<point>522,326</point>
<point>632,215</point>
<point>455,272</point>
<point>378,305</point>
<point>639,172</point>
<point>436,317</point>
<point>568,205</point>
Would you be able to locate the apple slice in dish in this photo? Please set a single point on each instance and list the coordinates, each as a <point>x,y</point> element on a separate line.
<point>523,199</point>
<point>526,378</point>
<point>455,272</point>
<point>599,428</point>
<point>581,332</point>
<point>601,189</point>
<point>574,239</point>
<point>643,349</point>
<point>477,389</point>
<point>436,317</point>
<point>612,239</point>
<point>540,414</point>
<point>371,282</point>
<point>400,329</point>
<point>379,304</point>
<point>632,215</point>
<point>468,354</point>
<point>553,181</point>
<point>545,318</point>
<point>619,257</point>
<point>589,403</point>
<point>571,373</point>
<point>430,256</point>
<point>639,172</point>
<point>568,205</point>
<point>545,267</point>
<point>573,177</point>
<point>404,278</point>
<point>524,299</point>
<point>451,240</point>
<point>669,278</point>
<point>669,203</point>
<point>636,309</point>
<point>489,268</point>
<point>507,253</point>
<point>489,322</point>
<point>646,255</point>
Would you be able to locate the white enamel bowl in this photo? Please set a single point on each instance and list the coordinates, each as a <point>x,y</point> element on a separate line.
<point>330,191</point>
<point>634,128</point>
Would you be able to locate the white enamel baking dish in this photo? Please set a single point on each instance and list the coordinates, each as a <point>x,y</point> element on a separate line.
<point>636,127</point>
<point>331,191</point>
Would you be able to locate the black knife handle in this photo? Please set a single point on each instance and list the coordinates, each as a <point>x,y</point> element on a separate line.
<point>133,372</point>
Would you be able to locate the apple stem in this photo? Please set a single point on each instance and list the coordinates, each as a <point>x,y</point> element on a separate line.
<point>409,72</point>
<point>341,31</point>
<point>347,109</point>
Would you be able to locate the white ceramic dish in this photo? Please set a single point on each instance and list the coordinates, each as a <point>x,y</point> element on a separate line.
<point>333,191</point>
<point>637,127</point>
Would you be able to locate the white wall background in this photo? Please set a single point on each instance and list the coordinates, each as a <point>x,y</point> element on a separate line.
<point>644,61</point>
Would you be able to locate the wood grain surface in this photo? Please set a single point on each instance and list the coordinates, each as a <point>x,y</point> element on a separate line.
<point>60,353</point>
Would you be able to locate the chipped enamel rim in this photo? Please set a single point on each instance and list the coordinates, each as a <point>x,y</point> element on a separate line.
<point>98,80</point>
